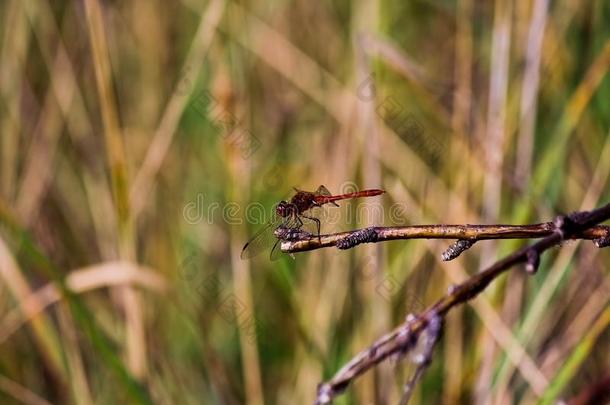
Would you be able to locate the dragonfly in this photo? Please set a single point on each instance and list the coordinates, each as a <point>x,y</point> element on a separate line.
<point>290,216</point>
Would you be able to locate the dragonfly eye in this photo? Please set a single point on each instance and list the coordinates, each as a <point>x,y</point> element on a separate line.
<point>282,209</point>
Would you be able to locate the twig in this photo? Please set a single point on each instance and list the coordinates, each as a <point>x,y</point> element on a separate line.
<point>350,239</point>
<point>433,331</point>
<point>401,340</point>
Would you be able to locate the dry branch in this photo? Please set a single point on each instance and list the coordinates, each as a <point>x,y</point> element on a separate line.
<point>579,225</point>
<point>302,241</point>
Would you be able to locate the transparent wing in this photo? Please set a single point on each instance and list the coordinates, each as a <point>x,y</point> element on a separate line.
<point>275,251</point>
<point>291,221</point>
<point>323,191</point>
<point>261,240</point>
<point>415,287</point>
<point>265,238</point>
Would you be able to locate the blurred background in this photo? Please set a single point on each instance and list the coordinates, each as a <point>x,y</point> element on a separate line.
<point>143,142</point>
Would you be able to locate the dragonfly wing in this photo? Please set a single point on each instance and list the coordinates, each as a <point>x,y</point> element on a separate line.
<point>275,251</point>
<point>415,292</point>
<point>293,222</point>
<point>261,240</point>
<point>265,237</point>
<point>323,191</point>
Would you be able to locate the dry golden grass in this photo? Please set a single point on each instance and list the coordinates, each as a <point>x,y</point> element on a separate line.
<point>134,135</point>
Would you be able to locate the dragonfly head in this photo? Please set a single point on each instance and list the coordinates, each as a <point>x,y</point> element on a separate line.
<point>283,209</point>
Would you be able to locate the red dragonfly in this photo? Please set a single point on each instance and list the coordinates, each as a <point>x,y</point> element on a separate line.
<point>291,214</point>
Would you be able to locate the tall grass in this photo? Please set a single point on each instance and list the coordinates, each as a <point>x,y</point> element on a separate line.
<point>135,134</point>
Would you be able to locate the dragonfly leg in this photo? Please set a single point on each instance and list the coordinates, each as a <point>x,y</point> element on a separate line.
<point>317,221</point>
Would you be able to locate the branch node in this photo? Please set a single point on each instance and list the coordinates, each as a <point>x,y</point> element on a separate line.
<point>456,249</point>
<point>533,261</point>
<point>568,225</point>
<point>325,394</point>
<point>602,242</point>
<point>451,289</point>
<point>407,340</point>
<point>423,360</point>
